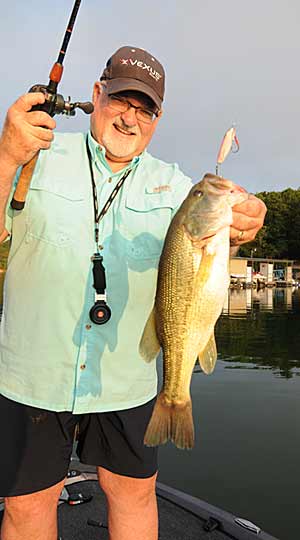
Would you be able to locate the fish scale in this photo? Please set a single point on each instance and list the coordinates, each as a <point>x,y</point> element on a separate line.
<point>183,310</point>
<point>193,279</point>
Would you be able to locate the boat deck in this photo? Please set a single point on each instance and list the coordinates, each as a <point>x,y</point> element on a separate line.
<point>181,516</point>
<point>174,522</point>
<point>82,513</point>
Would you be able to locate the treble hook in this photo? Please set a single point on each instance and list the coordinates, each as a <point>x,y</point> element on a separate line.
<point>235,145</point>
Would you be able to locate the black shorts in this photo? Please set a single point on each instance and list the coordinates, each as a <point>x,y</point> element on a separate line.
<point>36,445</point>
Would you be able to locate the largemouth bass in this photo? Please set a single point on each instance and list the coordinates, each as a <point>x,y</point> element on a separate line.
<point>193,279</point>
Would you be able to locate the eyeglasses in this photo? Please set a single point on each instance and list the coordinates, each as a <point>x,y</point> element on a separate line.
<point>121,104</point>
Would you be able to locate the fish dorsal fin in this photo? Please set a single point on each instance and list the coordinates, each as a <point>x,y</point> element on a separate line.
<point>208,357</point>
<point>149,345</point>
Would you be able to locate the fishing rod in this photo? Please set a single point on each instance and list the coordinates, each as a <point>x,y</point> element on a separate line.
<point>54,104</point>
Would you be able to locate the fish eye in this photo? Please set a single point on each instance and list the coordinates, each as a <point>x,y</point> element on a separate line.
<point>198,193</point>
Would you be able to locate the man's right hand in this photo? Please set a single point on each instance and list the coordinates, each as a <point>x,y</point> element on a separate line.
<point>25,132</point>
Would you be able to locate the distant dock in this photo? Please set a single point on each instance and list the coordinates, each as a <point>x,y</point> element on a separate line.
<point>258,272</point>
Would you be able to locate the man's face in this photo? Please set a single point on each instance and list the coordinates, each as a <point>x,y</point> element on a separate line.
<point>122,134</point>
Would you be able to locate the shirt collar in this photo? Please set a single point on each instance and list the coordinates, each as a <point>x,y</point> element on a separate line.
<point>98,155</point>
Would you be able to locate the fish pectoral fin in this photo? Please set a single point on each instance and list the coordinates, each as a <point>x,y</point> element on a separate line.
<point>208,357</point>
<point>149,345</point>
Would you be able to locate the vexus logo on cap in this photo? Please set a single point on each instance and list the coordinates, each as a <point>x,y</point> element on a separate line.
<point>131,68</point>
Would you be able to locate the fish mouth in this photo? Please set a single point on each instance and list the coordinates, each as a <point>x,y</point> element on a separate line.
<point>203,239</point>
<point>209,235</point>
<point>217,185</point>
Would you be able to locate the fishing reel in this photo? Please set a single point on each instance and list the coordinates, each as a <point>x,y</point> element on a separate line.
<point>56,103</point>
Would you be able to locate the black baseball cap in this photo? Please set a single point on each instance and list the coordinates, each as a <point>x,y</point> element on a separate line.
<point>131,68</point>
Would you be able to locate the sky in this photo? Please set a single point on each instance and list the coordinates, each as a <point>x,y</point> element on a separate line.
<point>226,62</point>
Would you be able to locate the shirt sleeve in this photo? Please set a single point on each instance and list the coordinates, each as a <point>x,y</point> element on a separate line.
<point>8,210</point>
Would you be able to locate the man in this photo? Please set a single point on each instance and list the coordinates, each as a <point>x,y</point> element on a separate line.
<point>59,366</point>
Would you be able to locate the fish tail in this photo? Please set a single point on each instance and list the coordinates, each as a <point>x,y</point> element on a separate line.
<point>182,433</point>
<point>170,421</point>
<point>159,427</point>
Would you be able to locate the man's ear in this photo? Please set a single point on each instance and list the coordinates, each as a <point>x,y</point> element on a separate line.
<point>157,119</point>
<point>98,90</point>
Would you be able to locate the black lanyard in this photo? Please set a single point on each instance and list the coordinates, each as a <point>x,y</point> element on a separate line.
<point>114,193</point>
<point>100,312</point>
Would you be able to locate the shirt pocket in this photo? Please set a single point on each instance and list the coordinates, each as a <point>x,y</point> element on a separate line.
<point>54,214</point>
<point>145,222</point>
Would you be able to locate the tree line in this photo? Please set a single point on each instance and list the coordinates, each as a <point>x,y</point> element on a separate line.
<point>280,236</point>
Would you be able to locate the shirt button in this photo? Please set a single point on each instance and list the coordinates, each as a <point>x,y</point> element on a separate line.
<point>88,326</point>
<point>109,180</point>
<point>83,366</point>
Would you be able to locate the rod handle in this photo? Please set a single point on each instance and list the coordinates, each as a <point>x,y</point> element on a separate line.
<point>19,197</point>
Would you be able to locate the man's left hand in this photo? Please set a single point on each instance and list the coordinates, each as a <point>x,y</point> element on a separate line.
<point>248,218</point>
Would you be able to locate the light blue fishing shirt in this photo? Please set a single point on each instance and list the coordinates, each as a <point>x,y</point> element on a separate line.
<point>51,355</point>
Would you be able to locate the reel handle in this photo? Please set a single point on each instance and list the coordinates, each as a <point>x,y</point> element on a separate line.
<point>86,106</point>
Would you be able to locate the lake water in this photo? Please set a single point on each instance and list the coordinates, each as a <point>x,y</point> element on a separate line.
<point>246,415</point>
